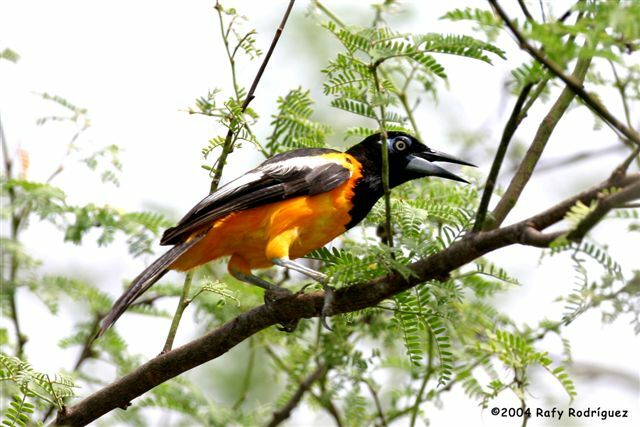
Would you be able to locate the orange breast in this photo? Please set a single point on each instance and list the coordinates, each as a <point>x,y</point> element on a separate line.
<point>290,228</point>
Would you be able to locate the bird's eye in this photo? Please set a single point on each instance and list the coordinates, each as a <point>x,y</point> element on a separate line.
<point>401,143</point>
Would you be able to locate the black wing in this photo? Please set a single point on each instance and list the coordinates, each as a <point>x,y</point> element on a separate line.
<point>292,174</point>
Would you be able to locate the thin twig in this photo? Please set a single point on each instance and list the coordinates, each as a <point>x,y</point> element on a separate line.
<point>507,134</point>
<point>285,412</point>
<point>569,11</point>
<point>415,408</point>
<point>520,385</point>
<point>376,401</point>
<point>402,96</point>
<point>67,153</point>
<point>14,265</point>
<point>231,57</point>
<point>326,403</point>
<point>572,83</point>
<point>327,12</point>
<point>532,99</point>
<point>385,162</point>
<point>561,162</point>
<point>524,9</point>
<point>227,147</point>
<point>248,373</point>
<point>542,12</point>
<point>622,90</point>
<point>183,302</point>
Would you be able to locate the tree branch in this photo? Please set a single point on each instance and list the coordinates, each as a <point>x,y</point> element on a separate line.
<point>285,412</point>
<point>528,164</point>
<point>605,204</point>
<point>580,156</point>
<point>376,401</point>
<point>183,302</point>
<point>507,134</point>
<point>352,298</point>
<point>322,400</point>
<point>525,11</point>
<point>572,83</point>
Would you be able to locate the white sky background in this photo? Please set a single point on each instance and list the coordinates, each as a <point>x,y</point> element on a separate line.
<point>136,65</point>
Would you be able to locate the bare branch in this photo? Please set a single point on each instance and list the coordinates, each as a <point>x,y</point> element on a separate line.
<point>528,164</point>
<point>507,134</point>
<point>8,164</point>
<point>322,400</point>
<point>580,156</point>
<point>525,11</point>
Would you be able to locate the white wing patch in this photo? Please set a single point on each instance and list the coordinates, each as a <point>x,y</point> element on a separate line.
<point>241,181</point>
<point>299,163</point>
<point>258,173</point>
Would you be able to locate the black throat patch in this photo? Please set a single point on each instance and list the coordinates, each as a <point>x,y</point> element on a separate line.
<point>368,189</point>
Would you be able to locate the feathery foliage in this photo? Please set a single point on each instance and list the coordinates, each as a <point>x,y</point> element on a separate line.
<point>292,126</point>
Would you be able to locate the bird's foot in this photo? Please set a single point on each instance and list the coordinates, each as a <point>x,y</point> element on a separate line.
<point>327,305</point>
<point>272,295</point>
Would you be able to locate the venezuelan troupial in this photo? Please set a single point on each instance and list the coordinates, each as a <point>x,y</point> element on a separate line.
<point>286,207</point>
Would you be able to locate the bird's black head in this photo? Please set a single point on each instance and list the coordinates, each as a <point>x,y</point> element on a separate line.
<point>408,158</point>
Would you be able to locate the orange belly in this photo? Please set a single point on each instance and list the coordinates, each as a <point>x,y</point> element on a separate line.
<point>287,229</point>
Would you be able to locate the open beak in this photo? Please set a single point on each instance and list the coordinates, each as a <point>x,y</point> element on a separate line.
<point>422,163</point>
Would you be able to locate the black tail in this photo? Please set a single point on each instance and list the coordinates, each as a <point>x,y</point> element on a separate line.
<point>144,281</point>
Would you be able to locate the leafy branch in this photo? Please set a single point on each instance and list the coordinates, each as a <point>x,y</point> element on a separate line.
<point>574,83</point>
<point>356,297</point>
<point>227,146</point>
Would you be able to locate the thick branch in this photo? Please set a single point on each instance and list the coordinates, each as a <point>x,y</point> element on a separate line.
<point>572,83</point>
<point>357,297</point>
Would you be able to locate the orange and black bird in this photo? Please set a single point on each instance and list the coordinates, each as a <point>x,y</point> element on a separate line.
<point>286,207</point>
